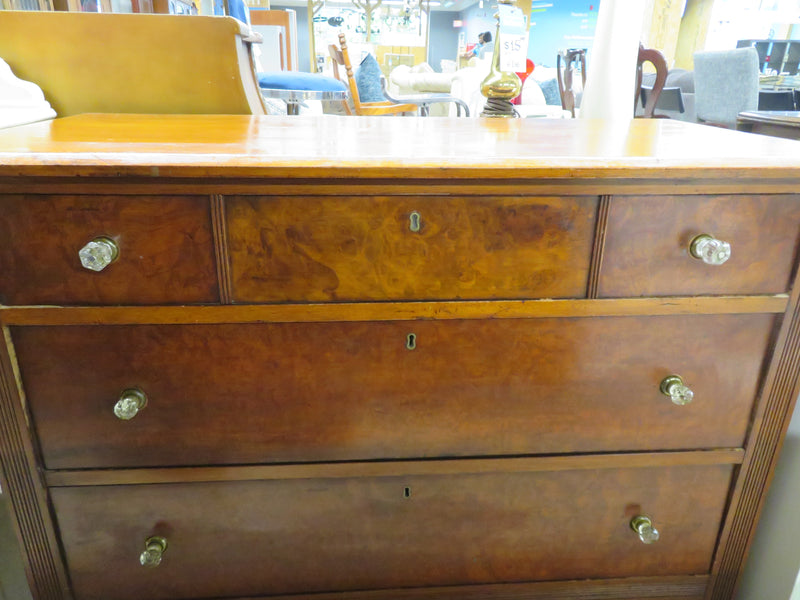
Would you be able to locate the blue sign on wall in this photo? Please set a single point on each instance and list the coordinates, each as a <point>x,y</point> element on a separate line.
<point>558,25</point>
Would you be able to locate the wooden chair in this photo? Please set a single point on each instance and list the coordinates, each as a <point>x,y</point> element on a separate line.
<point>657,59</point>
<point>565,73</point>
<point>341,58</point>
<point>133,63</point>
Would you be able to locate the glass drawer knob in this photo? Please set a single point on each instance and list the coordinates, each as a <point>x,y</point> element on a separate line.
<point>154,548</point>
<point>99,253</point>
<point>130,403</point>
<point>677,391</point>
<point>644,527</point>
<point>710,250</point>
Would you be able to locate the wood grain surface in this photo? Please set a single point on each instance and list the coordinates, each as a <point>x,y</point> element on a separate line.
<point>25,490</point>
<point>648,239</point>
<point>384,468</point>
<point>390,311</point>
<point>687,587</point>
<point>251,538</point>
<point>330,147</point>
<point>299,249</point>
<point>230,394</point>
<point>165,250</point>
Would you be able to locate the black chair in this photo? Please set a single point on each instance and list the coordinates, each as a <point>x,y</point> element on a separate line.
<point>776,100</point>
<point>671,98</point>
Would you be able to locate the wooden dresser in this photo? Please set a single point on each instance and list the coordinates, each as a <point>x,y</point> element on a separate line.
<point>393,358</point>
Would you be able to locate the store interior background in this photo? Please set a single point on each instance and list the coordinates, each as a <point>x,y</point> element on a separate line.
<point>676,27</point>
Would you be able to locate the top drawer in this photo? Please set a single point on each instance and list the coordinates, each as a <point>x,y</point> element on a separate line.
<point>165,251</point>
<point>318,249</point>
<point>648,240</point>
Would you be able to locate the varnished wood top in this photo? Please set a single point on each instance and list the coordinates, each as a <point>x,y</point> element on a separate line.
<point>788,118</point>
<point>380,147</point>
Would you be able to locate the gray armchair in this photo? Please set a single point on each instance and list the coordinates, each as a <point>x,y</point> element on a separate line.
<point>726,83</point>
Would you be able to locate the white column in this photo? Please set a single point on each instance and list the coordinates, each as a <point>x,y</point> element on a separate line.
<point>611,72</point>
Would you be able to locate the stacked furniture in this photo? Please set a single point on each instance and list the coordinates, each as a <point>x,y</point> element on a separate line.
<point>392,358</point>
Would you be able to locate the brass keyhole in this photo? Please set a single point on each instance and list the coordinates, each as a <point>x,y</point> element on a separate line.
<point>414,221</point>
<point>411,341</point>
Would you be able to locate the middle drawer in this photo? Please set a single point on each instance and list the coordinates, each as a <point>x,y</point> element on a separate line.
<point>260,393</point>
<point>323,249</point>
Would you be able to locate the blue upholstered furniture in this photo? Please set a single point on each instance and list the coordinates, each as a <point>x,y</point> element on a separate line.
<point>294,87</point>
<point>726,83</point>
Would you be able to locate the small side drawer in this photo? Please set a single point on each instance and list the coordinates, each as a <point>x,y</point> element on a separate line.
<point>647,248</point>
<point>248,538</point>
<point>165,250</point>
<point>300,392</point>
<point>296,249</point>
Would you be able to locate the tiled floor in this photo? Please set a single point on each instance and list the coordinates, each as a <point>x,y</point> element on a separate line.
<point>12,578</point>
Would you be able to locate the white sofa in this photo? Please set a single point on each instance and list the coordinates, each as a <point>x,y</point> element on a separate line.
<point>465,84</point>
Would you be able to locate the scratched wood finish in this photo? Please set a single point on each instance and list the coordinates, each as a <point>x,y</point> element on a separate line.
<point>383,468</point>
<point>648,238</point>
<point>689,587</point>
<point>337,391</point>
<point>165,250</point>
<point>331,149</point>
<point>369,533</point>
<point>304,249</point>
<point>390,311</point>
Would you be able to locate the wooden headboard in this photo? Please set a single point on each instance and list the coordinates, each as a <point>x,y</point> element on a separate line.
<point>133,63</point>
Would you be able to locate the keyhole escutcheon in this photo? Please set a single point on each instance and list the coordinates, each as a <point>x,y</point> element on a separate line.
<point>414,221</point>
<point>411,341</point>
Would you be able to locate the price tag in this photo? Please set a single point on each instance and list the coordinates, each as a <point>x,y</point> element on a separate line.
<point>513,39</point>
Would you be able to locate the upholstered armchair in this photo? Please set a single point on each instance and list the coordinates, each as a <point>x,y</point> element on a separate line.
<point>726,83</point>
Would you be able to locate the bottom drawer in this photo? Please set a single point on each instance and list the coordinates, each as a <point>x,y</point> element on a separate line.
<point>250,538</point>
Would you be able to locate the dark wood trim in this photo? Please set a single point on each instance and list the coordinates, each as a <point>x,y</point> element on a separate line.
<point>389,311</point>
<point>771,419</point>
<point>394,468</point>
<point>26,492</point>
<point>101,183</point>
<point>219,228</point>
<point>599,246</point>
<point>690,587</point>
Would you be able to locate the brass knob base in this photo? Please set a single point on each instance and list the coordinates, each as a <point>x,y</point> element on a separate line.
<point>499,107</point>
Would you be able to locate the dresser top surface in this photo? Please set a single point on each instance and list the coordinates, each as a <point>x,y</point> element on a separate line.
<point>381,147</point>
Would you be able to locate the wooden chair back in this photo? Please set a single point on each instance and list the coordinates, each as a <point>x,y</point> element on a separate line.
<point>133,63</point>
<point>657,59</point>
<point>565,74</point>
<point>341,58</point>
<point>337,59</point>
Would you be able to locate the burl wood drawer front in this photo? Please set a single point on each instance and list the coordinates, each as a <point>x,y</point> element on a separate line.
<point>283,536</point>
<point>648,238</point>
<point>165,250</point>
<point>227,394</point>
<point>391,248</point>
